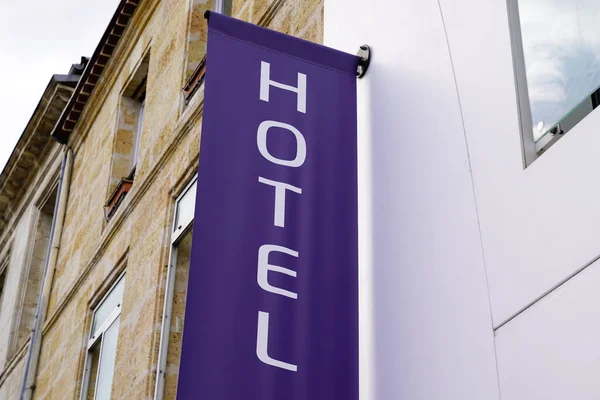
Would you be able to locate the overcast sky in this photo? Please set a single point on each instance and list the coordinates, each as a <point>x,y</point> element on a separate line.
<point>39,38</point>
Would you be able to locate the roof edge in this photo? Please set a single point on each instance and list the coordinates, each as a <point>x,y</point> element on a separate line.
<point>93,71</point>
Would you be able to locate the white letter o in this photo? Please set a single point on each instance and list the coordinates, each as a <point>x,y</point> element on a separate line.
<point>261,140</point>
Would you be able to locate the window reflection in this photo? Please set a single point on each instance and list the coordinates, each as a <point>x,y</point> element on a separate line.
<point>185,208</point>
<point>561,46</point>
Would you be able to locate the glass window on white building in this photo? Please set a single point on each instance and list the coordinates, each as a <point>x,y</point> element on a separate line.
<point>102,346</point>
<point>556,45</point>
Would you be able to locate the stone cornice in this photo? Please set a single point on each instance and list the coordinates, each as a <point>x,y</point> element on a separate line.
<point>94,70</point>
<point>33,146</point>
<point>111,72</point>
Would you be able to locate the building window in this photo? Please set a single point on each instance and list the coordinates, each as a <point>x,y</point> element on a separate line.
<point>29,289</point>
<point>184,211</point>
<point>136,144</point>
<point>128,137</point>
<point>3,271</point>
<point>555,46</point>
<point>223,6</point>
<point>175,298</point>
<point>196,44</point>
<point>102,346</point>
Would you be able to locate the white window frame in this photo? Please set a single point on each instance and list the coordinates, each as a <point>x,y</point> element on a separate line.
<point>527,141</point>
<point>531,149</point>
<point>179,230</point>
<point>96,337</point>
<point>181,227</point>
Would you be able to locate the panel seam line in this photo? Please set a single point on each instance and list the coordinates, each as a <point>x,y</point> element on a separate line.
<point>548,292</point>
<point>462,119</point>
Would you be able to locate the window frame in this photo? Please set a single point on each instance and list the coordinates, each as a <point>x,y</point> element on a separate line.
<point>96,338</point>
<point>194,81</point>
<point>530,148</point>
<point>180,229</point>
<point>3,277</point>
<point>223,7</point>
<point>524,108</point>
<point>138,136</point>
<point>132,98</point>
<point>23,316</point>
<point>178,233</point>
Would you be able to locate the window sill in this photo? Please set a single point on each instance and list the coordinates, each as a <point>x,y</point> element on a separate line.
<point>195,81</point>
<point>117,196</point>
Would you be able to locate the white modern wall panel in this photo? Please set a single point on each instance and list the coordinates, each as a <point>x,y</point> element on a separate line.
<point>540,224</point>
<point>551,351</point>
<point>426,329</point>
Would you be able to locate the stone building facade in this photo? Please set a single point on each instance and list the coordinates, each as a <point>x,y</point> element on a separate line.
<point>128,129</point>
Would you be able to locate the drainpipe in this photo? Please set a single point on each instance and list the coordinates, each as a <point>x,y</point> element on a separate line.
<point>35,343</point>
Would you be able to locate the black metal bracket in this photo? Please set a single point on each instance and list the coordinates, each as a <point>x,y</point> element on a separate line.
<point>364,59</point>
<point>557,130</point>
<point>364,54</point>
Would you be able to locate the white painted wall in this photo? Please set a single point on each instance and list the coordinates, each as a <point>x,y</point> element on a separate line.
<point>539,225</point>
<point>426,329</point>
<point>438,101</point>
<point>552,352</point>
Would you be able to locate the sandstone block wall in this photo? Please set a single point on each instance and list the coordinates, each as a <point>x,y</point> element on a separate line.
<point>24,250</point>
<point>136,240</point>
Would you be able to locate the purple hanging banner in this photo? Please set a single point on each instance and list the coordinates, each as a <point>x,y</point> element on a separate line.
<point>272,304</point>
